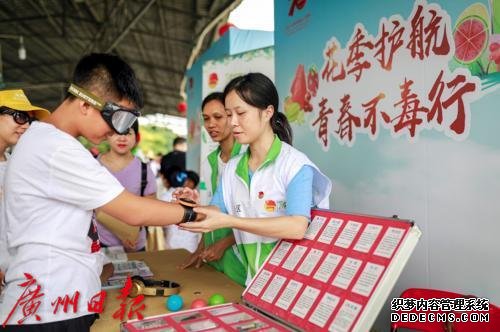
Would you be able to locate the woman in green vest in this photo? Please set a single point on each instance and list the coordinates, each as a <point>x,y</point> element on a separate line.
<point>217,248</point>
<point>266,193</point>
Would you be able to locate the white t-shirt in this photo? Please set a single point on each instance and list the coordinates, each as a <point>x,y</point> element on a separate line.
<point>176,238</point>
<point>52,186</point>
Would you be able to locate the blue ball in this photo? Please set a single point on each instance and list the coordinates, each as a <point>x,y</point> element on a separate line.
<point>174,302</point>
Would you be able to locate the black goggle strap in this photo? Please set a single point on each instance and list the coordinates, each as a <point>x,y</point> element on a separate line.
<point>86,96</point>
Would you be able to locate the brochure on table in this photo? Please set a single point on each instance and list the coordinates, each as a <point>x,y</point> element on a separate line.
<point>123,267</point>
<point>336,278</point>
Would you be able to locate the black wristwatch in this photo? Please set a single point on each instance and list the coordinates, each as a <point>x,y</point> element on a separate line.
<point>189,214</point>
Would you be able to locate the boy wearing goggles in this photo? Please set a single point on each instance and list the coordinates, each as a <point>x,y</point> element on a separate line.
<point>16,114</point>
<point>54,185</point>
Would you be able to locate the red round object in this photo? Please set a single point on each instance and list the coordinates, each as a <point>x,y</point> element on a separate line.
<point>224,28</point>
<point>198,303</point>
<point>182,107</point>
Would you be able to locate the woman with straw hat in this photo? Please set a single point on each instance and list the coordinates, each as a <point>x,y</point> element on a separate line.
<point>16,114</point>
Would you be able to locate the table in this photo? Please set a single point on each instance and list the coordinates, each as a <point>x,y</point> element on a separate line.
<point>195,283</point>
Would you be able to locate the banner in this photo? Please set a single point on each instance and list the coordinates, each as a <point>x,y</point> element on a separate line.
<point>398,103</point>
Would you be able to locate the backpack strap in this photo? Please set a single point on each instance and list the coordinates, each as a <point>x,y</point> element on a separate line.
<point>144,177</point>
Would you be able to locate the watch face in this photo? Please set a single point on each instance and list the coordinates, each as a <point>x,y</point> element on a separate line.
<point>187,202</point>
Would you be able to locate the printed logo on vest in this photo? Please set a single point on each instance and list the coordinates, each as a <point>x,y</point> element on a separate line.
<point>270,205</point>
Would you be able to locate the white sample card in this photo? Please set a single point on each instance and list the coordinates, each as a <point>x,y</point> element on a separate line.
<point>305,302</point>
<point>389,242</point>
<point>260,282</point>
<point>347,272</point>
<point>330,230</point>
<point>222,310</point>
<point>314,227</point>
<point>367,238</point>
<point>289,294</point>
<point>346,316</point>
<point>294,257</point>
<point>273,288</point>
<point>280,252</point>
<point>235,318</point>
<point>327,267</point>
<point>310,262</point>
<point>324,309</point>
<point>348,234</point>
<point>368,278</point>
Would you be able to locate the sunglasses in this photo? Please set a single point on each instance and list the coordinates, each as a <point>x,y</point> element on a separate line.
<point>119,118</point>
<point>19,117</point>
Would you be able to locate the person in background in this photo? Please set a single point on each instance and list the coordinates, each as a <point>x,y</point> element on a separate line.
<point>218,248</point>
<point>176,238</point>
<point>177,157</point>
<point>192,180</point>
<point>179,144</point>
<point>52,187</point>
<point>136,177</point>
<point>155,164</point>
<point>16,114</point>
<point>266,193</point>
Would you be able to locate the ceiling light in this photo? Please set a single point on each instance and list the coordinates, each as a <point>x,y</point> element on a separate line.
<point>22,49</point>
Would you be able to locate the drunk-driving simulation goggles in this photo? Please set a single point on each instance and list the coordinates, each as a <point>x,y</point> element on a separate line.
<point>120,119</point>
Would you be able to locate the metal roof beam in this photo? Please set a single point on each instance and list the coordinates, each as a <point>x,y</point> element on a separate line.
<point>94,44</point>
<point>155,66</point>
<point>138,16</point>
<point>186,43</point>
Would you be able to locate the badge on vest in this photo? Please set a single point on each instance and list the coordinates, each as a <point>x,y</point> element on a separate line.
<point>272,206</point>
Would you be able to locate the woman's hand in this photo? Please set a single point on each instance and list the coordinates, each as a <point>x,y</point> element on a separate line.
<point>214,220</point>
<point>107,271</point>
<point>214,252</point>
<point>194,259</point>
<point>130,245</point>
<point>186,192</point>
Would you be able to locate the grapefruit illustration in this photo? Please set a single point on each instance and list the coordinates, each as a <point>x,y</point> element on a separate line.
<point>471,38</point>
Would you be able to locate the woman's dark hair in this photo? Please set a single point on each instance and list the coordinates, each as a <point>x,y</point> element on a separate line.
<point>194,177</point>
<point>213,96</point>
<point>258,90</point>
